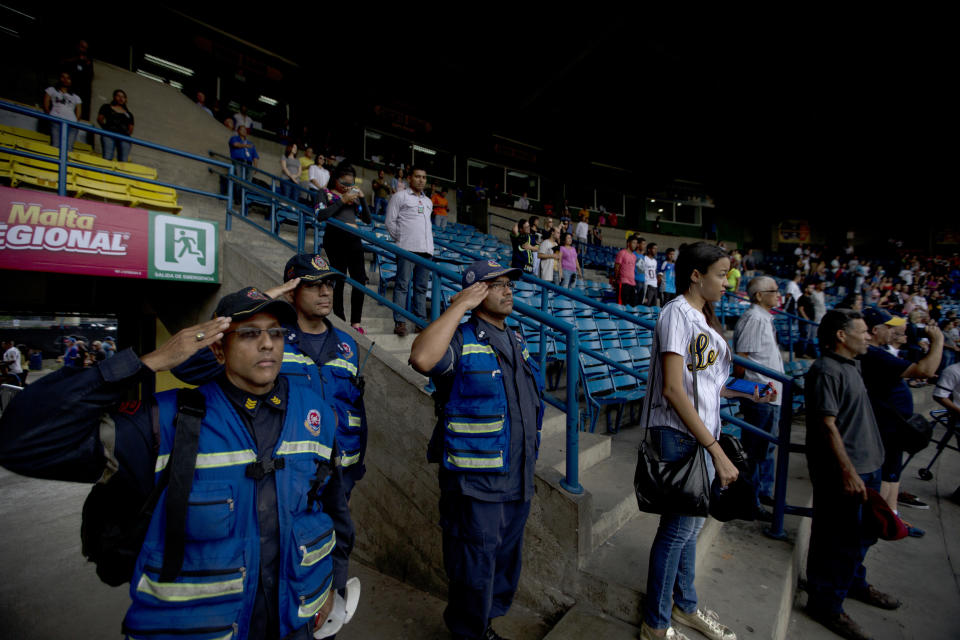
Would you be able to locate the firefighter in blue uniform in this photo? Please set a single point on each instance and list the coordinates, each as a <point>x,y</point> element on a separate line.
<point>266,534</point>
<point>313,342</point>
<point>490,407</point>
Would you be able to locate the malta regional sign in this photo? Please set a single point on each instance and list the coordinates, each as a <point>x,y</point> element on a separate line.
<point>43,232</point>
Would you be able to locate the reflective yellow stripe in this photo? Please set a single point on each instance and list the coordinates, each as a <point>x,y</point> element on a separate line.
<point>344,364</point>
<point>475,463</point>
<point>183,591</point>
<point>476,427</point>
<point>346,461</point>
<point>352,420</point>
<point>305,446</point>
<point>315,556</point>
<point>296,357</point>
<point>214,460</point>
<point>526,354</point>
<point>308,609</point>
<point>471,349</point>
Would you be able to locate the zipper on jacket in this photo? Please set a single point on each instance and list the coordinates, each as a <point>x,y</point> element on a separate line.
<point>202,573</point>
<point>304,546</point>
<point>204,503</point>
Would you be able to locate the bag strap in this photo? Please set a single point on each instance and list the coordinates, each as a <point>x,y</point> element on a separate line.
<point>696,401</point>
<point>191,408</point>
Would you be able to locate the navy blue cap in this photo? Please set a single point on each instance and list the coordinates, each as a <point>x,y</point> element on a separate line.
<point>483,270</point>
<point>309,266</point>
<point>250,301</point>
<point>874,316</point>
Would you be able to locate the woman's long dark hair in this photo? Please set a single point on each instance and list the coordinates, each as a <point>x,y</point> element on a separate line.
<point>698,257</point>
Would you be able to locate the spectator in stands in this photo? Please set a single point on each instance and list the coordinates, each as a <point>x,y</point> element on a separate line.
<point>399,182</point>
<point>60,101</point>
<point>596,235</point>
<point>667,277</point>
<point>80,67</point>
<point>201,101</point>
<point>241,119</point>
<point>523,204</point>
<point>440,207</point>
<point>580,233</point>
<point>650,279</point>
<point>808,330</point>
<point>852,301</point>
<point>549,255</point>
<point>536,237</point>
<point>624,273</point>
<point>109,347</point>
<point>569,264</point>
<point>116,118</point>
<point>523,247</point>
<point>749,263</point>
<point>733,276</point>
<point>97,352</point>
<point>951,342</point>
<point>13,361</point>
<point>381,193</point>
<point>306,161</point>
<point>687,342</point>
<point>819,300</point>
<point>884,376</point>
<point>290,171</point>
<point>408,222</point>
<point>755,338</point>
<point>612,219</point>
<point>244,152</point>
<point>793,293</point>
<point>228,123</point>
<point>344,202</point>
<point>318,175</point>
<point>844,454</point>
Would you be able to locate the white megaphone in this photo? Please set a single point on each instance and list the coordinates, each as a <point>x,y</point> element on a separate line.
<point>343,610</point>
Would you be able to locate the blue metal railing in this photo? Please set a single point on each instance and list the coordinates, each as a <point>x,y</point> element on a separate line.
<point>526,314</point>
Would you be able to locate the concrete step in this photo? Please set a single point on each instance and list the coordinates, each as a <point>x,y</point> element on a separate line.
<point>583,621</point>
<point>611,485</point>
<point>592,450</point>
<point>554,422</point>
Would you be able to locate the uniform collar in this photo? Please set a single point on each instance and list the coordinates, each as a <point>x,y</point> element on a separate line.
<point>841,359</point>
<point>249,404</point>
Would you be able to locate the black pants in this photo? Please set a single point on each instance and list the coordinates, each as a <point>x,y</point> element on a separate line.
<point>345,252</point>
<point>628,294</point>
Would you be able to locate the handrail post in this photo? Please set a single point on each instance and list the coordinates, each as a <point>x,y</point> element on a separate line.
<point>435,296</point>
<point>790,335</point>
<point>571,482</point>
<point>301,233</point>
<point>775,530</point>
<point>62,177</point>
<point>230,176</point>
<point>545,307</point>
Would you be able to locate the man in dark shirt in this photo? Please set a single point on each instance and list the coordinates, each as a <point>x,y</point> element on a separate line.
<point>808,330</point>
<point>844,454</point>
<point>483,514</point>
<point>885,375</point>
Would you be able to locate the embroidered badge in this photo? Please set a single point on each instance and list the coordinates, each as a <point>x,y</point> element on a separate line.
<point>256,294</point>
<point>470,277</point>
<point>493,263</point>
<point>345,350</point>
<point>312,423</point>
<point>319,264</point>
<point>275,400</point>
<point>129,407</point>
<point>250,404</point>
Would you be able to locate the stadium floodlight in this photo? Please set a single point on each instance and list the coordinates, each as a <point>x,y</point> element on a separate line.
<point>146,74</point>
<point>175,84</point>
<point>429,152</point>
<point>160,62</point>
<point>266,100</point>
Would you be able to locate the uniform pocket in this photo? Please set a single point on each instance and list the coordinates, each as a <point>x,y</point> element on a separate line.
<point>210,512</point>
<point>480,384</point>
<point>177,626</point>
<point>206,576</point>
<point>311,567</point>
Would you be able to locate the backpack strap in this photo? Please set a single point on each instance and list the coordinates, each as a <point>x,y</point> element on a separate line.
<point>191,408</point>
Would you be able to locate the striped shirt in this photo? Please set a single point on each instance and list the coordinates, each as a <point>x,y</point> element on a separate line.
<point>683,330</point>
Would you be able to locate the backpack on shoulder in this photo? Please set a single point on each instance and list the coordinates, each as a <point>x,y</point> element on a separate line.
<point>116,516</point>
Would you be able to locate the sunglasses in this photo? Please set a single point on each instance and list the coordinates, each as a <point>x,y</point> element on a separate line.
<point>253,333</point>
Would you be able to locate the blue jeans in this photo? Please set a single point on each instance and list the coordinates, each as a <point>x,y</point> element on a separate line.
<point>379,206</point>
<point>421,279</point>
<point>838,542</point>
<point>288,189</point>
<point>113,146</point>
<point>759,451</point>
<point>568,278</point>
<point>55,135</point>
<point>674,551</point>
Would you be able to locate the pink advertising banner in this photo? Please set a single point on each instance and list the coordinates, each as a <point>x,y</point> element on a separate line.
<point>47,232</point>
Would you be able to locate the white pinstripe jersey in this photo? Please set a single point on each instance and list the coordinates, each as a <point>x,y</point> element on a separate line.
<point>683,330</point>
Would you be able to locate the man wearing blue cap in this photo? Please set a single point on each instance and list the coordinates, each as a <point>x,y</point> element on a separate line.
<point>490,406</point>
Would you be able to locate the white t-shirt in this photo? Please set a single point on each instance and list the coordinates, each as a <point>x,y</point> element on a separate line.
<point>240,120</point>
<point>581,231</point>
<point>547,264</point>
<point>683,330</point>
<point>63,105</point>
<point>907,276</point>
<point>12,355</point>
<point>793,289</point>
<point>649,271</point>
<point>948,384</point>
<point>318,173</point>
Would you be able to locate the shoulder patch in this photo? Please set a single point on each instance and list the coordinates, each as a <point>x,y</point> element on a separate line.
<point>129,407</point>
<point>312,423</point>
<point>345,350</point>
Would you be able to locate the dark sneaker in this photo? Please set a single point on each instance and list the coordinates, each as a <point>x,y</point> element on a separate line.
<point>763,515</point>
<point>490,634</point>
<point>766,501</point>
<point>912,531</point>
<point>910,500</point>
<point>840,624</point>
<point>875,598</point>
<point>400,329</point>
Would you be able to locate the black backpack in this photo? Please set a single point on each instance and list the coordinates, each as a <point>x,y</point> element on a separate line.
<point>116,517</point>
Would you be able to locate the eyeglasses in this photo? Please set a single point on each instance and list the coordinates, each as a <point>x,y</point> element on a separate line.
<point>253,333</point>
<point>770,291</point>
<point>511,285</point>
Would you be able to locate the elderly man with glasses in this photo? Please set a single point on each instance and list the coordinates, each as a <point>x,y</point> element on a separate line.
<point>755,338</point>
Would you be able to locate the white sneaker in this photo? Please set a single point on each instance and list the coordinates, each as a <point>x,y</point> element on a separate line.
<point>706,622</point>
<point>646,633</point>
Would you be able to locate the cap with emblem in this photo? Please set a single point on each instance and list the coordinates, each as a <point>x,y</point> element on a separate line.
<point>309,266</point>
<point>873,316</point>
<point>483,270</point>
<point>250,301</point>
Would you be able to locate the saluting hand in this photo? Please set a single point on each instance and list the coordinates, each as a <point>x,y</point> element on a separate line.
<point>185,343</point>
<point>472,296</point>
<point>283,291</point>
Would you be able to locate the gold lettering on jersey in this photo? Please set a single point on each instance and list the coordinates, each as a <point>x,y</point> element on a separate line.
<point>699,356</point>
